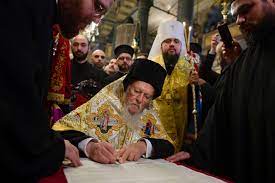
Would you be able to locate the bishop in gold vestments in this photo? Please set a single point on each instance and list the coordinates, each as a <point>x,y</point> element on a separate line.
<point>110,115</point>
<point>169,50</point>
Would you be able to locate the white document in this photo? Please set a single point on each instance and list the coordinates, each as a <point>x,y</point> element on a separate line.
<point>142,171</point>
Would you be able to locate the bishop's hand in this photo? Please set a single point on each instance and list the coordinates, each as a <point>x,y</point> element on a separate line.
<point>132,152</point>
<point>102,152</point>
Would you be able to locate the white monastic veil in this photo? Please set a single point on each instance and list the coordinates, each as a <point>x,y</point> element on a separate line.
<point>168,29</point>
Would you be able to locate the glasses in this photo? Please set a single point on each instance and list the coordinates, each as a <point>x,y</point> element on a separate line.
<point>137,92</point>
<point>124,58</point>
<point>99,9</point>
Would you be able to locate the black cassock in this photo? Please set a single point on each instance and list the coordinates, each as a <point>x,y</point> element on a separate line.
<point>29,148</point>
<point>237,140</point>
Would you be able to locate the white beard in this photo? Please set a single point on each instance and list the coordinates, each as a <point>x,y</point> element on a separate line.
<point>132,121</point>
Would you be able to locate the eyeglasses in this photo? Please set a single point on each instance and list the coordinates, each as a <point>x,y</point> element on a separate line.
<point>99,8</point>
<point>124,58</point>
<point>137,92</point>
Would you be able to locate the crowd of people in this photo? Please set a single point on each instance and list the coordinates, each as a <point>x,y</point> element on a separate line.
<point>212,112</point>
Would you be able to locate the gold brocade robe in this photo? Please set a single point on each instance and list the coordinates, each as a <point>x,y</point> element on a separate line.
<point>103,117</point>
<point>172,104</point>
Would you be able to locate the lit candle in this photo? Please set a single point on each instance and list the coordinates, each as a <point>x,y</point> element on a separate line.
<point>185,33</point>
<point>189,37</point>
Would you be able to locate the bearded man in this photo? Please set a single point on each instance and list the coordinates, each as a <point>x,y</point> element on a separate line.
<point>32,150</point>
<point>120,123</point>
<point>238,138</point>
<point>169,51</point>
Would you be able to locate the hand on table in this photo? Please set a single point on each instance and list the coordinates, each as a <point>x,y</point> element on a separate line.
<point>102,152</point>
<point>132,152</point>
<point>179,156</point>
<point>72,154</point>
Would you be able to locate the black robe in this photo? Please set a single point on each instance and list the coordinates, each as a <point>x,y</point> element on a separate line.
<point>238,138</point>
<point>86,71</point>
<point>29,148</point>
<point>109,79</point>
<point>208,95</point>
<point>205,70</point>
<point>89,73</point>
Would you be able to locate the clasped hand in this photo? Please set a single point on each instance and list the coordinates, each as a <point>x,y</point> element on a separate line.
<point>104,152</point>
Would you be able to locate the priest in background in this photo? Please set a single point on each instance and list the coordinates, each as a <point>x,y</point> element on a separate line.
<point>169,50</point>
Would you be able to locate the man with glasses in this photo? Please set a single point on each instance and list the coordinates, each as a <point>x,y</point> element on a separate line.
<point>120,123</point>
<point>31,150</point>
<point>124,55</point>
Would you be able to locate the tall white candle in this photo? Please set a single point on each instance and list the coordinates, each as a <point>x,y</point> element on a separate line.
<point>189,37</point>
